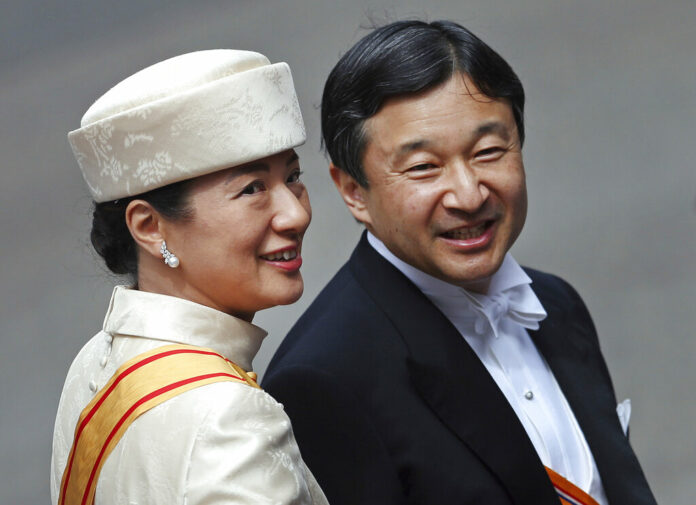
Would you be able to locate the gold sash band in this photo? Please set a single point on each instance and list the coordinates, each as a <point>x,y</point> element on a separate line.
<point>137,386</point>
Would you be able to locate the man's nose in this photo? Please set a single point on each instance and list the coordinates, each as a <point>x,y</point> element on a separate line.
<point>465,190</point>
<point>290,213</point>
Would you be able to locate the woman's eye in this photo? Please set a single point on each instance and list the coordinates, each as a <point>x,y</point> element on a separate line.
<point>294,177</point>
<point>253,188</point>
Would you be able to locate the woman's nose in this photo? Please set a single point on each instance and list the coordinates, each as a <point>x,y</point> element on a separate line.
<point>292,212</point>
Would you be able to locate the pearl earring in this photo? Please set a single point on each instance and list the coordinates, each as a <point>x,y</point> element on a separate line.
<point>171,260</point>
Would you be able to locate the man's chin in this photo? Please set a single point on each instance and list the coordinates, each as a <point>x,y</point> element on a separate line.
<point>475,275</point>
<point>478,285</point>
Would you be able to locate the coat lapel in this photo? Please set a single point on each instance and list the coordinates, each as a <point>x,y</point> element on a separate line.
<point>453,382</point>
<point>567,341</point>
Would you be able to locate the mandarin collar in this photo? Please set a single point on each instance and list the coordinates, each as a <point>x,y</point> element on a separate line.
<point>171,319</point>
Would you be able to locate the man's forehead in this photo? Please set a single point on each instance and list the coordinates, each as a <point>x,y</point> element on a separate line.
<point>427,120</point>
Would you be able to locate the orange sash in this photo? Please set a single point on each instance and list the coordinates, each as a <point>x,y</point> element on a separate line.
<point>568,492</point>
<point>137,386</point>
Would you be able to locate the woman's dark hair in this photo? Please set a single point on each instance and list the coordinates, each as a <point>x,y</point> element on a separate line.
<point>110,235</point>
<point>403,58</point>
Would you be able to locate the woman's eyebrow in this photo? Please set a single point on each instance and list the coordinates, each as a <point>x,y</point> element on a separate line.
<point>256,167</point>
<point>246,169</point>
<point>293,157</point>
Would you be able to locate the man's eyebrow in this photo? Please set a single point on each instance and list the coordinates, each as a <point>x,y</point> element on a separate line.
<point>409,147</point>
<point>246,169</point>
<point>493,127</point>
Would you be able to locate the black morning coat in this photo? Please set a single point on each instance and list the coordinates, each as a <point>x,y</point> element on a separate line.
<point>390,405</point>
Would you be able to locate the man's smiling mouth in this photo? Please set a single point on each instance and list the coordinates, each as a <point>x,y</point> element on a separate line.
<point>468,232</point>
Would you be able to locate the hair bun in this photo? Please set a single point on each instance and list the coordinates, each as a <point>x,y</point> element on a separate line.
<point>111,238</point>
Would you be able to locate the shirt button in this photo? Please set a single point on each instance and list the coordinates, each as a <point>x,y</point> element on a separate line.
<point>103,361</point>
<point>93,386</point>
<point>108,338</point>
<point>529,394</point>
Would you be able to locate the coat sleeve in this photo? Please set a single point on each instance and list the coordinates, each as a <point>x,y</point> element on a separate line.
<point>245,454</point>
<point>336,438</point>
<point>580,316</point>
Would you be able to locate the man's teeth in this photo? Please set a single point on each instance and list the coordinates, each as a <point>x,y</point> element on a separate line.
<point>468,232</point>
<point>281,256</point>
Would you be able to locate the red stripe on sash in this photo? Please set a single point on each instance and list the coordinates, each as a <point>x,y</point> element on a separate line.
<point>144,399</point>
<point>118,379</point>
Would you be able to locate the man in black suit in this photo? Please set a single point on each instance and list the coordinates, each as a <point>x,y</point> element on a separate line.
<point>432,368</point>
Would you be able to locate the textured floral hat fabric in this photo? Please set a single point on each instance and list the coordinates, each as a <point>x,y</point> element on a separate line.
<point>186,116</point>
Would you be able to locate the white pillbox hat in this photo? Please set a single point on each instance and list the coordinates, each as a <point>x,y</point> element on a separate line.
<point>186,116</point>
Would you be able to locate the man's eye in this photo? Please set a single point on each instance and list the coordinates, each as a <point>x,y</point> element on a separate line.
<point>294,177</point>
<point>254,187</point>
<point>422,166</point>
<point>490,152</point>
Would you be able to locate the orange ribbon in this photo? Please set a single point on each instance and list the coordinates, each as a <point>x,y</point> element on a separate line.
<point>569,493</point>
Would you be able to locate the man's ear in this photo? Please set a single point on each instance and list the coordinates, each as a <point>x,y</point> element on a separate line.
<point>353,194</point>
<point>145,226</point>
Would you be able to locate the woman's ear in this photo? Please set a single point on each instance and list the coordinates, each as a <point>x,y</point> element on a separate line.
<point>353,194</point>
<point>145,225</point>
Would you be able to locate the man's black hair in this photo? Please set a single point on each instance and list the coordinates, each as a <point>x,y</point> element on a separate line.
<point>401,58</point>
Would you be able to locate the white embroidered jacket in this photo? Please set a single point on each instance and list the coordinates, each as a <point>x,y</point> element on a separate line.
<point>220,443</point>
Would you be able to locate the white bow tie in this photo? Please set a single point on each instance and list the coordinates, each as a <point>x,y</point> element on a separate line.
<point>518,304</point>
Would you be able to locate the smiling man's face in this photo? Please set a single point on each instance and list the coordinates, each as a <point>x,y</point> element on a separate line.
<point>446,187</point>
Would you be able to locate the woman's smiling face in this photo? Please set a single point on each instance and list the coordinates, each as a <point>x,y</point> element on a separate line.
<point>241,250</point>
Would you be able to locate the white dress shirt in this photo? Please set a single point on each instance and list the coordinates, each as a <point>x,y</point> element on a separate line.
<point>495,326</point>
<point>220,443</point>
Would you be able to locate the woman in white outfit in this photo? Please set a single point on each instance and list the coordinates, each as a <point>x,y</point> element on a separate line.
<point>198,198</point>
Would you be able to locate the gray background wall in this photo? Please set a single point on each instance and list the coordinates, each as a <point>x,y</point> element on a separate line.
<point>611,131</point>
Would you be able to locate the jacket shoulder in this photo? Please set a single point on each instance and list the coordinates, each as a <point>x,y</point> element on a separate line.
<point>563,303</point>
<point>341,327</point>
<point>552,288</point>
